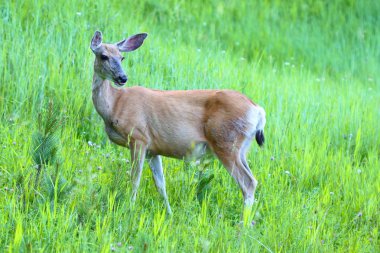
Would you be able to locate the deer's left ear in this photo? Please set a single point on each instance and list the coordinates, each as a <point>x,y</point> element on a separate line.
<point>132,43</point>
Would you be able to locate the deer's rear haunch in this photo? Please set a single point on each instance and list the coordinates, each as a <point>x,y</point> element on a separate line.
<point>179,124</point>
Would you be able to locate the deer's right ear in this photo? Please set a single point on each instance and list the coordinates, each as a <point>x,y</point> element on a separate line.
<point>96,41</point>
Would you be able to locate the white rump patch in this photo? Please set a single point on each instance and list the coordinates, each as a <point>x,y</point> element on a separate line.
<point>256,120</point>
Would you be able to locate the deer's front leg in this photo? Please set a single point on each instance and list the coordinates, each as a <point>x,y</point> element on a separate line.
<point>155,163</point>
<point>138,151</point>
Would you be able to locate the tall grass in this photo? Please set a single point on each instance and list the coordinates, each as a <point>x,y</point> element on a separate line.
<point>314,67</point>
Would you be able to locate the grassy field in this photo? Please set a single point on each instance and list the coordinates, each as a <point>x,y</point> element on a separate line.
<point>314,67</point>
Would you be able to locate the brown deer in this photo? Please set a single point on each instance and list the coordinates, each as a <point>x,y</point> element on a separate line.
<point>179,124</point>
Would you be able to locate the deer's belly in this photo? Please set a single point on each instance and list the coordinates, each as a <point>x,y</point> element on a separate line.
<point>197,151</point>
<point>188,151</point>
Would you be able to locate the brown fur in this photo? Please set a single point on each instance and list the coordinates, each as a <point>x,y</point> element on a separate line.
<point>171,123</point>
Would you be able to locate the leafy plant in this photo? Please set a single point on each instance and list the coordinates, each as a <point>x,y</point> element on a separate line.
<point>204,179</point>
<point>45,144</point>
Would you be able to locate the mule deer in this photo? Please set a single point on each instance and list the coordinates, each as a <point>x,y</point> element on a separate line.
<point>176,124</point>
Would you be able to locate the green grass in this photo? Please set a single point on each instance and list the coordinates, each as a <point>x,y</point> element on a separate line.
<point>313,66</point>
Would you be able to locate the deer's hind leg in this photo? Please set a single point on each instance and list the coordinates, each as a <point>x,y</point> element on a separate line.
<point>242,155</point>
<point>240,173</point>
<point>231,151</point>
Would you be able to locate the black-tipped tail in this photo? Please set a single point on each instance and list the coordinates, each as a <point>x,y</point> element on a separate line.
<point>260,137</point>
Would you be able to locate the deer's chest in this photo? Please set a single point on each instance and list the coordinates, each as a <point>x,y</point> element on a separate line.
<point>114,134</point>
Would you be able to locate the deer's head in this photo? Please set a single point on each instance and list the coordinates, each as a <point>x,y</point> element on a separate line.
<point>108,56</point>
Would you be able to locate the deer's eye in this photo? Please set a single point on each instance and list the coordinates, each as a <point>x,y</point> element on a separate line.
<point>122,58</point>
<point>104,57</point>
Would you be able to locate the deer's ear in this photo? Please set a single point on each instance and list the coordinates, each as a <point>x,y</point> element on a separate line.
<point>132,43</point>
<point>96,41</point>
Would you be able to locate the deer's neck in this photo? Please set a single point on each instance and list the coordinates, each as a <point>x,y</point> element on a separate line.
<point>103,96</point>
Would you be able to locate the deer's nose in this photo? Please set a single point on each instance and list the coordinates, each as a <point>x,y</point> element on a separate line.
<point>123,79</point>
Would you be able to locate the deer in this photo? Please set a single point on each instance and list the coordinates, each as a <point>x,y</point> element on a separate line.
<point>179,124</point>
